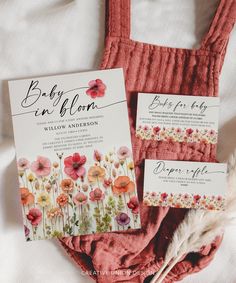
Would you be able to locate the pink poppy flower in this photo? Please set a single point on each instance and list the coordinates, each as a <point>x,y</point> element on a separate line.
<point>23,164</point>
<point>34,216</point>
<point>133,204</point>
<point>196,198</point>
<point>80,199</point>
<point>123,152</point>
<point>164,196</point>
<point>41,167</point>
<point>97,156</point>
<point>219,198</point>
<point>186,196</point>
<point>156,130</point>
<point>96,88</point>
<point>189,131</point>
<point>74,166</point>
<point>117,164</point>
<point>107,183</point>
<point>96,195</point>
<point>211,133</point>
<point>178,130</point>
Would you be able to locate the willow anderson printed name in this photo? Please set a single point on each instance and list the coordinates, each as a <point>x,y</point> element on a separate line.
<point>71,126</point>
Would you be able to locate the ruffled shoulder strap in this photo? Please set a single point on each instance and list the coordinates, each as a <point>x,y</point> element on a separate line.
<point>118,18</point>
<point>217,38</point>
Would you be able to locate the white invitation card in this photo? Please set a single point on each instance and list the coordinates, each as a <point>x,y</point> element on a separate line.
<point>74,154</point>
<point>177,118</point>
<point>184,184</point>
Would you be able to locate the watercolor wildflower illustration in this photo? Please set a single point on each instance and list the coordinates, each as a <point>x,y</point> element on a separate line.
<point>185,200</point>
<point>188,135</point>
<point>96,88</point>
<point>70,196</point>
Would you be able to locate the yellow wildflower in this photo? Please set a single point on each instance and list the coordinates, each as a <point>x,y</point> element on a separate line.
<point>44,199</point>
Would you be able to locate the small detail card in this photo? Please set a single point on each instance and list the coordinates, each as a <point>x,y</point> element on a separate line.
<point>177,118</point>
<point>74,156</point>
<point>183,184</point>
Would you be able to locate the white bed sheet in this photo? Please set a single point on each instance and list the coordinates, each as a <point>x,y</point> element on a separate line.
<point>54,36</point>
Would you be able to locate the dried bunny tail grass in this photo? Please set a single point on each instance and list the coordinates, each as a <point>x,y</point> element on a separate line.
<point>200,227</point>
<point>180,236</point>
<point>231,180</point>
<point>232,163</point>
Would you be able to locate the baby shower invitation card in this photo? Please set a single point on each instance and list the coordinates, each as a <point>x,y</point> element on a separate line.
<point>74,154</point>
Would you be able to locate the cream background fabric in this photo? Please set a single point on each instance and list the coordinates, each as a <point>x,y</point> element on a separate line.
<point>59,36</point>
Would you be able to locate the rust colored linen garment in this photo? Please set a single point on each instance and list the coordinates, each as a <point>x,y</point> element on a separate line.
<point>133,255</point>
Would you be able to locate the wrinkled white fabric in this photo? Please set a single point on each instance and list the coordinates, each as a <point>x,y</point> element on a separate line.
<point>59,36</point>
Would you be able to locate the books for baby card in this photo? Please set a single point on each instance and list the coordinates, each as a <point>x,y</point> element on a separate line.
<point>177,118</point>
<point>74,156</point>
<point>183,120</point>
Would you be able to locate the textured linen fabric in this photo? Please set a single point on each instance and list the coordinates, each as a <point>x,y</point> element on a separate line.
<point>54,37</point>
<point>132,256</point>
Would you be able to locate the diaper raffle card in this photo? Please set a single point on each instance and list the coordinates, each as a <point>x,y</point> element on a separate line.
<point>178,118</point>
<point>74,156</point>
<point>185,184</point>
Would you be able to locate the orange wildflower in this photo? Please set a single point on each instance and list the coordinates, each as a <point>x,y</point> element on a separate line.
<point>27,198</point>
<point>96,173</point>
<point>62,199</point>
<point>67,185</point>
<point>123,184</point>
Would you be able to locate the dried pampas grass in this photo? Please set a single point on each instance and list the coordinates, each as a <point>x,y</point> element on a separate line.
<point>200,227</point>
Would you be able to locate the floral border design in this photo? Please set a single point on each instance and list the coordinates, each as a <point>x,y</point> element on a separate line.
<point>188,135</point>
<point>186,200</point>
<point>67,196</point>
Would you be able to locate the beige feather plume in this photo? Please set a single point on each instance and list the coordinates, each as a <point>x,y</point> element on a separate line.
<point>200,227</point>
